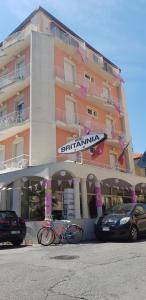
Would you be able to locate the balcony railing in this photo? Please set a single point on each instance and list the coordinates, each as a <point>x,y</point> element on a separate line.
<point>84,121</point>
<point>18,36</point>
<point>15,118</point>
<point>18,162</point>
<point>79,48</point>
<point>65,37</point>
<point>14,76</point>
<point>80,160</point>
<point>15,37</point>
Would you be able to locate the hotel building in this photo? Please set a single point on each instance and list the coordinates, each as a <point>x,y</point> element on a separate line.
<point>54,88</point>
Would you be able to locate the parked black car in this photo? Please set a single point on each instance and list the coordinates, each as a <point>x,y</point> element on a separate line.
<point>123,221</point>
<point>12,228</point>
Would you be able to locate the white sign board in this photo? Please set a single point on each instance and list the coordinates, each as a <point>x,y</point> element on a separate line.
<point>82,143</point>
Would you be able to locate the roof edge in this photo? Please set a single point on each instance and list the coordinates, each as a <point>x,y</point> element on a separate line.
<point>40,8</point>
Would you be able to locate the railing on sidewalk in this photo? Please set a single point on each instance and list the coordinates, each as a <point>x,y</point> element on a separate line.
<point>15,118</point>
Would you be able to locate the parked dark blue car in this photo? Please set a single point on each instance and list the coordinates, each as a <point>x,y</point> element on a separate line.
<point>123,221</point>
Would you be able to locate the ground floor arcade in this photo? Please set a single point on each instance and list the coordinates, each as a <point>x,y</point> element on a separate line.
<point>68,191</point>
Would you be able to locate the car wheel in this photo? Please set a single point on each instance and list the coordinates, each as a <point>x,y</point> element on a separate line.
<point>100,238</point>
<point>17,243</point>
<point>133,235</point>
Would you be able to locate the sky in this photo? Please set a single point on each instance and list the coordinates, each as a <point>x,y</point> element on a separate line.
<point>116,28</point>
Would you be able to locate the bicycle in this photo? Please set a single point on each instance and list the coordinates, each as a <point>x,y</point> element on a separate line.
<point>48,234</point>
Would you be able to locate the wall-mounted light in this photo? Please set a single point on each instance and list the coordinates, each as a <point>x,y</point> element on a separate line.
<point>62,173</point>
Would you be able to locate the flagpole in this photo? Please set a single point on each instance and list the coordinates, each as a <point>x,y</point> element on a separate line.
<point>81,154</point>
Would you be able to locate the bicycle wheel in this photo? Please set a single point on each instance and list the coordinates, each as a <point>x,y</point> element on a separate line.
<point>39,234</point>
<point>74,234</point>
<point>47,237</point>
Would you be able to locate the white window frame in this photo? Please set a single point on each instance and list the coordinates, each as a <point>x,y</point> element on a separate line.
<point>93,112</point>
<point>89,77</point>
<point>73,65</point>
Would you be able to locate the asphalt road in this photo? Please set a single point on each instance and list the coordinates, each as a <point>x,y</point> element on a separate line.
<point>66,272</point>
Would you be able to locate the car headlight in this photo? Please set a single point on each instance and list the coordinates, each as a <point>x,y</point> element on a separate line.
<point>124,220</point>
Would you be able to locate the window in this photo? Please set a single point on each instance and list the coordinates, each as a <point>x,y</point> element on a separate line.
<point>92,112</point>
<point>95,58</point>
<point>69,71</point>
<point>107,68</point>
<point>32,201</point>
<point>88,77</point>
<point>109,127</point>
<point>18,151</point>
<point>139,210</point>
<point>70,111</point>
<point>20,110</point>
<point>113,160</point>
<point>20,69</point>
<point>106,92</point>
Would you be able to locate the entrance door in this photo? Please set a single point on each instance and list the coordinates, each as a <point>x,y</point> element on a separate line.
<point>20,69</point>
<point>109,127</point>
<point>18,151</point>
<point>70,112</point>
<point>113,161</point>
<point>20,111</point>
<point>69,71</point>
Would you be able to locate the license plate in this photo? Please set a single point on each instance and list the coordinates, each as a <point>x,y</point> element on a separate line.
<point>105,228</point>
<point>15,231</point>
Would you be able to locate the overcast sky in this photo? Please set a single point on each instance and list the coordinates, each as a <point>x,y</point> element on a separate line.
<point>115,28</point>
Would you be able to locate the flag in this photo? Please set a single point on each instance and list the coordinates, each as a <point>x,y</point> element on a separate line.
<point>118,107</point>
<point>121,156</point>
<point>118,76</point>
<point>121,142</point>
<point>98,151</point>
<point>83,91</point>
<point>87,130</point>
<point>142,162</point>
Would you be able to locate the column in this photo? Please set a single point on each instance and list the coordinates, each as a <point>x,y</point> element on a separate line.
<point>48,199</point>
<point>77,198</point>
<point>84,198</point>
<point>98,198</point>
<point>16,202</point>
<point>3,199</point>
<point>133,195</point>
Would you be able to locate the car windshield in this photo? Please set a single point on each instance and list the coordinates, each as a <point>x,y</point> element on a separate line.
<point>7,214</point>
<point>121,209</point>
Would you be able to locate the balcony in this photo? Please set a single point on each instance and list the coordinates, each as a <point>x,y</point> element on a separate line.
<point>13,82</point>
<point>12,123</point>
<point>77,48</point>
<point>15,43</point>
<point>70,84</point>
<point>15,163</point>
<point>65,41</point>
<point>79,123</point>
<point>97,97</point>
<point>67,122</point>
<point>70,158</point>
